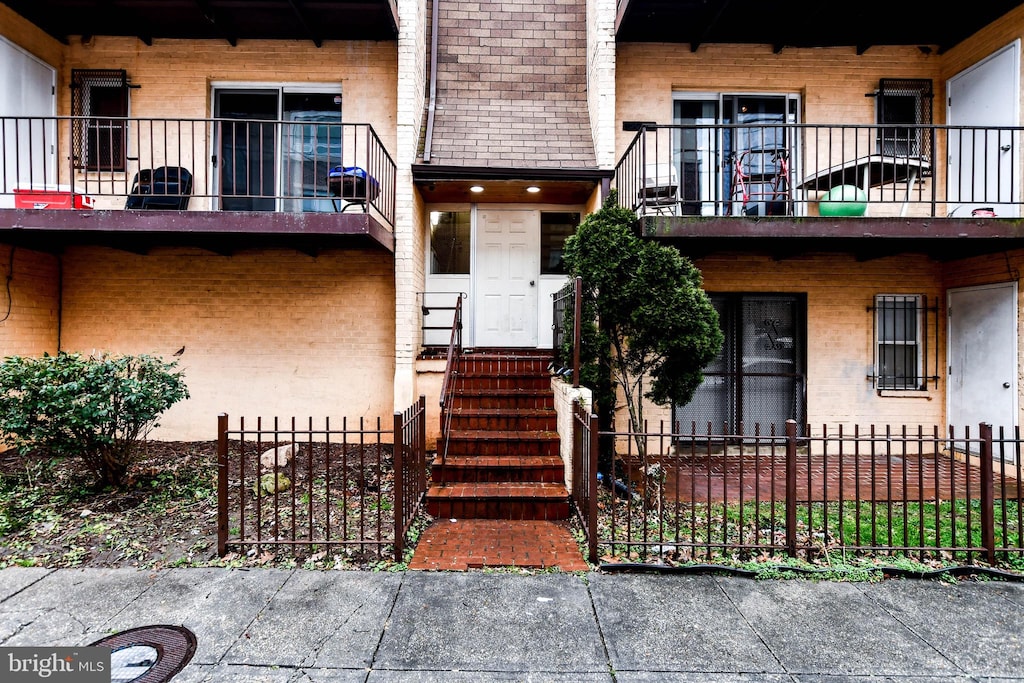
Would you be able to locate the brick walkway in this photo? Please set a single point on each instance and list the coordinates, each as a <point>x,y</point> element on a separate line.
<point>880,478</point>
<point>458,545</point>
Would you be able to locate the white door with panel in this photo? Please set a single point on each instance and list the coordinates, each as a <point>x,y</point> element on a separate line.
<point>983,160</point>
<point>505,278</point>
<point>983,356</point>
<point>27,89</point>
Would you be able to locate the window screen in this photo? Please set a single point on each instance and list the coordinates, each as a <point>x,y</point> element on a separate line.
<point>904,106</point>
<point>100,97</point>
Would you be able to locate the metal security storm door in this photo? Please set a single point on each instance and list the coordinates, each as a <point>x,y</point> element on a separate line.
<point>759,376</point>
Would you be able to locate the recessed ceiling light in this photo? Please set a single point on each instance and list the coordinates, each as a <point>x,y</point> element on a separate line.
<point>533,189</point>
<point>476,188</point>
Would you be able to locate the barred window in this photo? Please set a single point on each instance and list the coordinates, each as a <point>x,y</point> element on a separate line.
<point>99,139</point>
<point>899,339</point>
<point>904,110</point>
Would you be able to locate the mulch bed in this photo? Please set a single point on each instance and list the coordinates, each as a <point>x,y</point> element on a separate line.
<point>52,513</point>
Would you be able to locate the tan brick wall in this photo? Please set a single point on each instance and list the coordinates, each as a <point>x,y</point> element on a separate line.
<point>174,79</point>
<point>991,38</point>
<point>839,291</point>
<point>565,395</point>
<point>175,76</point>
<point>832,82</point>
<point>29,302</point>
<point>28,37</point>
<point>410,225</point>
<point>601,78</point>
<point>266,333</point>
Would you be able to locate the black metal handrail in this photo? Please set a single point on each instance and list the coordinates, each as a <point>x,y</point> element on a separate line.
<point>789,169</point>
<point>450,376</point>
<point>201,164</point>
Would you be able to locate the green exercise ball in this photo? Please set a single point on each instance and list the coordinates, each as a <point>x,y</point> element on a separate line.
<point>843,200</point>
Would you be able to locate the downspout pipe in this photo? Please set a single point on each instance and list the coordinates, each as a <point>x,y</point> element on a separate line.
<point>431,104</point>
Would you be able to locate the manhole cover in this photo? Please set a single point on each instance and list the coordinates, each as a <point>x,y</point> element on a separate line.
<point>148,654</point>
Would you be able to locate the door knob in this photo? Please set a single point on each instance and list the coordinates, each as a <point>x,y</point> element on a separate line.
<point>531,283</point>
<point>1006,385</point>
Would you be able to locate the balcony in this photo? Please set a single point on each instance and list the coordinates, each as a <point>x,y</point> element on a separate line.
<point>948,191</point>
<point>223,184</point>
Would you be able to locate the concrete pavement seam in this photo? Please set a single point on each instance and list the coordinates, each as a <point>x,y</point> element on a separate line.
<point>256,616</point>
<point>757,633</point>
<point>387,623</point>
<point>907,626</point>
<point>160,573</point>
<point>27,586</point>
<point>600,631</point>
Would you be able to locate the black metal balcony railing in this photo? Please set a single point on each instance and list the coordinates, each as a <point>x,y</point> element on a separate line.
<point>777,169</point>
<point>195,164</point>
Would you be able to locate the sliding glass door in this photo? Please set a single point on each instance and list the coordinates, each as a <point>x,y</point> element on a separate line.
<point>734,153</point>
<point>264,165</point>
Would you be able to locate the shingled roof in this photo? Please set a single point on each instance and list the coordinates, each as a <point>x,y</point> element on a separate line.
<point>511,85</point>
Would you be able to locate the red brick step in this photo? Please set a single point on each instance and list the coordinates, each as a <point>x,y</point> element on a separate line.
<point>491,468</point>
<point>494,442</point>
<point>526,419</point>
<point>499,500</point>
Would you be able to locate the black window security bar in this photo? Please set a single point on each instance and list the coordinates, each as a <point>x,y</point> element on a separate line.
<point>906,101</point>
<point>99,138</point>
<point>905,356</point>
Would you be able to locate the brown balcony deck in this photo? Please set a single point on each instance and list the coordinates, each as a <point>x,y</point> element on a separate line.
<point>217,184</point>
<point>791,188</point>
<point>223,232</point>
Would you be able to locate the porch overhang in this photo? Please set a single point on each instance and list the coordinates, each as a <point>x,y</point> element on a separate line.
<point>802,23</point>
<point>227,20</point>
<point>223,232</point>
<point>443,183</point>
<point>942,239</point>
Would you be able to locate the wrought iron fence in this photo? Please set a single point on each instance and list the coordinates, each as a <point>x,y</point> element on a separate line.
<point>694,495</point>
<point>567,311</point>
<point>356,485</point>
<point>787,169</point>
<point>205,164</point>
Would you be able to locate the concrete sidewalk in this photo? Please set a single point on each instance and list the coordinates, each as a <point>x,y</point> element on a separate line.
<point>301,626</point>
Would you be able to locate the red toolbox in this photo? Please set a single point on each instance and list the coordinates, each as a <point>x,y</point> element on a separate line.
<point>51,198</point>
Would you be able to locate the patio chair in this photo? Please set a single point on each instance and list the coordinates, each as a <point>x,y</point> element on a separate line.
<point>166,187</point>
<point>660,192</point>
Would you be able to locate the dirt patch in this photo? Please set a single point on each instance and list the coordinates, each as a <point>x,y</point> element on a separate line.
<point>52,514</point>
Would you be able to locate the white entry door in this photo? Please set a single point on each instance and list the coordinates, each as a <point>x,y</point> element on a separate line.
<point>983,356</point>
<point>505,278</point>
<point>982,161</point>
<point>26,90</point>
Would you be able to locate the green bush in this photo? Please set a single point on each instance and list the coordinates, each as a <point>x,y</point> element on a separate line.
<point>95,408</point>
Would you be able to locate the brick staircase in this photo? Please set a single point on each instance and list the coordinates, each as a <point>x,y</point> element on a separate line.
<point>498,456</point>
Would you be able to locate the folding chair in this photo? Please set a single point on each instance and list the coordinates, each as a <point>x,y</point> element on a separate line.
<point>166,187</point>
<point>660,192</point>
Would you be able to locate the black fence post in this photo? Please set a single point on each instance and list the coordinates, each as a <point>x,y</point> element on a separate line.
<point>577,327</point>
<point>592,494</point>
<point>222,484</point>
<point>399,465</point>
<point>421,449</point>
<point>791,487</point>
<point>987,512</point>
